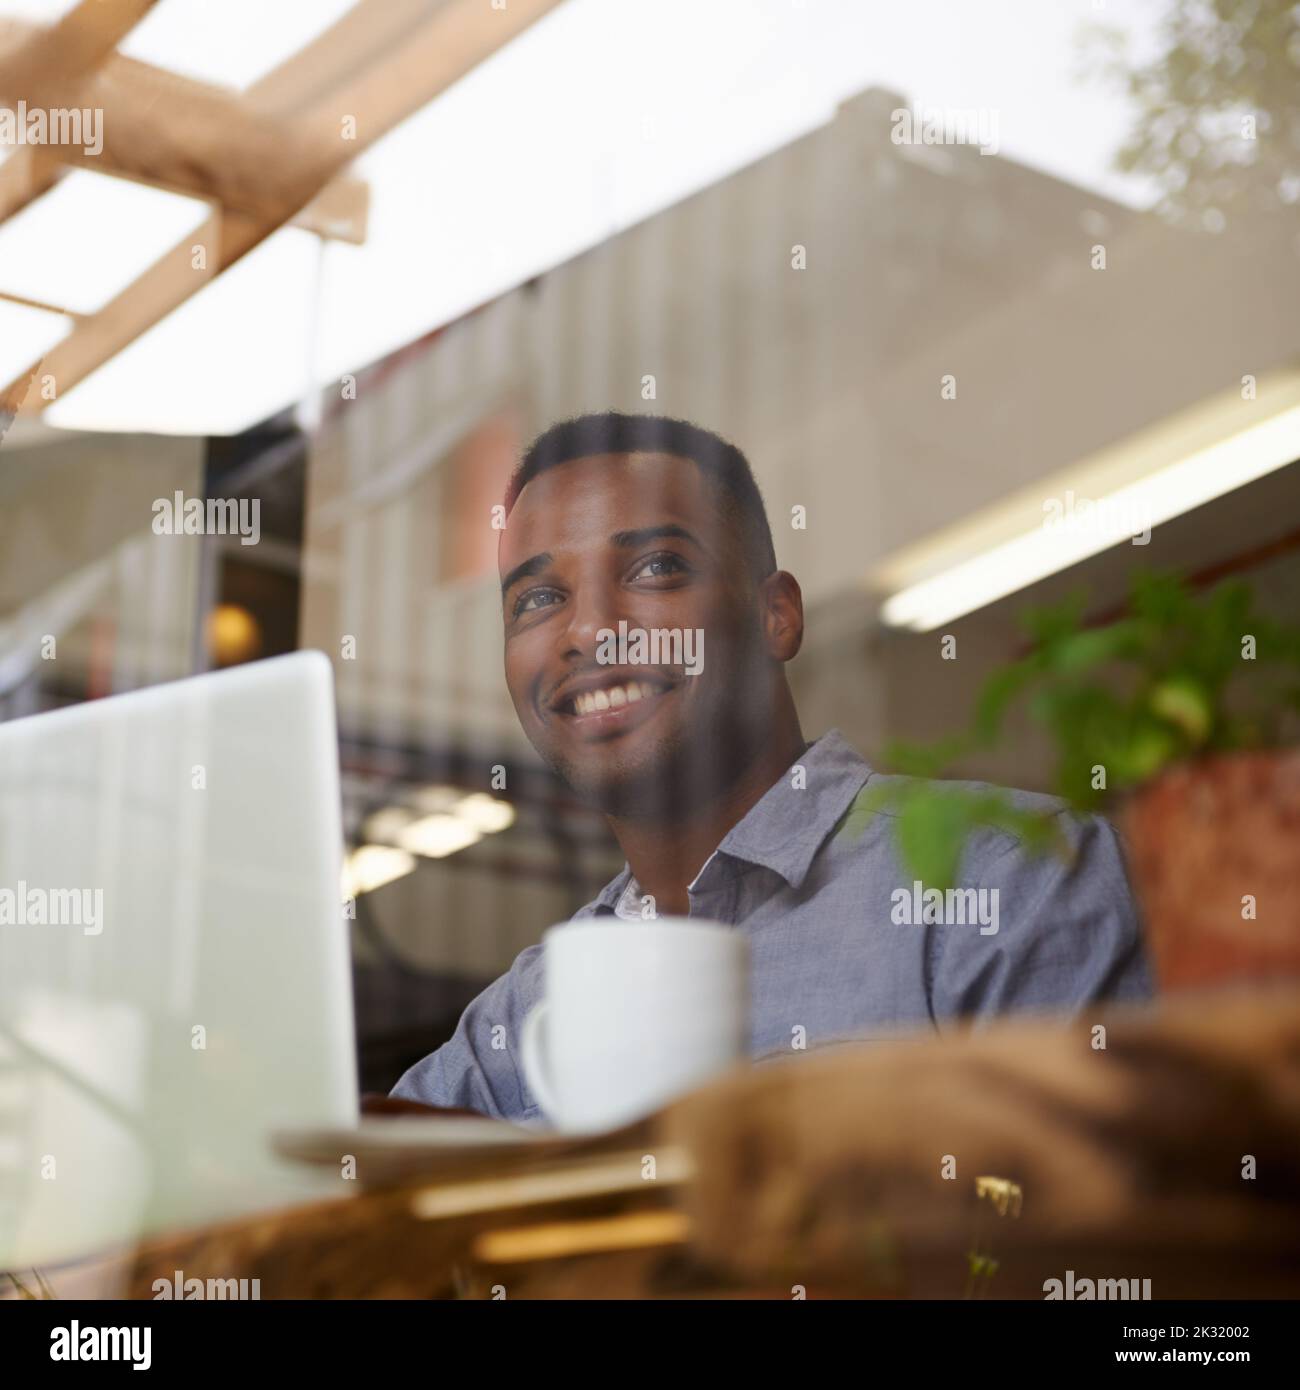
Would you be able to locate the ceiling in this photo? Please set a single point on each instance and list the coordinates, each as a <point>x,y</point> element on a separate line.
<point>287,192</point>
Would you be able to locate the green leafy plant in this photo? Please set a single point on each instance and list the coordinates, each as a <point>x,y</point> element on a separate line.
<point>44,1291</point>
<point>1175,676</point>
<point>1216,105</point>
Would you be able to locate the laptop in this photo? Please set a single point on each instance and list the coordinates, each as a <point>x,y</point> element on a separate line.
<point>175,978</point>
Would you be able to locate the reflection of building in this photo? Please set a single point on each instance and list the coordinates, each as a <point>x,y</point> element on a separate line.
<point>921,262</point>
<point>909,251</point>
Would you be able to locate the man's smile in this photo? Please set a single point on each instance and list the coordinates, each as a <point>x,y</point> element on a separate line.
<point>603,704</point>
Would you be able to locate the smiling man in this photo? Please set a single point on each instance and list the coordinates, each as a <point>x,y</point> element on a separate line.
<point>626,525</point>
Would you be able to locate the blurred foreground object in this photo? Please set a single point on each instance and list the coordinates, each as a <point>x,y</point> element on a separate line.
<point>1160,1143</point>
<point>1157,1145</point>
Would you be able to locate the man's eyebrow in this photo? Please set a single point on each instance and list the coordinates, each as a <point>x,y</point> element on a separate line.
<point>533,565</point>
<point>627,540</point>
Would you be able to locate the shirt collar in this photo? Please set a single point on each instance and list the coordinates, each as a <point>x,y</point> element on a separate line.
<point>788,824</point>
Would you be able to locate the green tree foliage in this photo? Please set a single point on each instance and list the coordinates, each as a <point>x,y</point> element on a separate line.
<point>1217,123</point>
<point>1175,676</point>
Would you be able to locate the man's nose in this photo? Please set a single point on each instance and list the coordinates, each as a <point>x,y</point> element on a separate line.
<point>592,609</point>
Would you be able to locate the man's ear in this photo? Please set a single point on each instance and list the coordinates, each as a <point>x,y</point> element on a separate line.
<point>782,604</point>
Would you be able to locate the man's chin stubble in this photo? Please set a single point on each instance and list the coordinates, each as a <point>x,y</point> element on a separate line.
<point>674,789</point>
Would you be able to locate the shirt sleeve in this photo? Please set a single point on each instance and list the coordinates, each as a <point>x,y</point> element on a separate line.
<point>1067,933</point>
<point>476,1068</point>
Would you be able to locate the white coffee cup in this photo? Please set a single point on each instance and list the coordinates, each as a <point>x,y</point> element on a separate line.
<point>633,1014</point>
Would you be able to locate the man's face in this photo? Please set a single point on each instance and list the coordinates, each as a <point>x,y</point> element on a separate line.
<point>640,539</point>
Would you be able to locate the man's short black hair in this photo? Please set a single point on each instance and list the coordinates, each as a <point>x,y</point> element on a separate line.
<point>613,432</point>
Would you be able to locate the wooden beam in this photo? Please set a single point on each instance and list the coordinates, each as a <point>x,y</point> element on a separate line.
<point>168,282</point>
<point>24,176</point>
<point>369,32</point>
<point>37,304</point>
<point>168,131</point>
<point>48,62</point>
<point>454,38</point>
<point>14,396</point>
<point>183,136</point>
<point>340,212</point>
<point>443,40</point>
<point>52,58</point>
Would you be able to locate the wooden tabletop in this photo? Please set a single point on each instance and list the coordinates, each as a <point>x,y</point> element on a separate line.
<point>1158,1143</point>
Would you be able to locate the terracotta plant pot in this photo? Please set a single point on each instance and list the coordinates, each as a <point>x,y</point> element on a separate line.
<point>1215,851</point>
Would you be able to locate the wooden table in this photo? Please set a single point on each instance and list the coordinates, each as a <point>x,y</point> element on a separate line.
<point>979,1165</point>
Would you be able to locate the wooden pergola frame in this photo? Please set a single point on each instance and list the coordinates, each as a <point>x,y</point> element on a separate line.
<point>273,155</point>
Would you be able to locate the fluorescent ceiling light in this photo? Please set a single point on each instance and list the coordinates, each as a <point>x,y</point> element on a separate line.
<point>1164,471</point>
<point>371,866</point>
<point>386,825</point>
<point>437,798</point>
<point>435,837</point>
<point>444,820</point>
<point>231,44</point>
<point>486,813</point>
<point>25,335</point>
<point>90,236</point>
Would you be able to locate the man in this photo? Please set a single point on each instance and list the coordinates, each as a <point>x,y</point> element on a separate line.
<point>620,525</point>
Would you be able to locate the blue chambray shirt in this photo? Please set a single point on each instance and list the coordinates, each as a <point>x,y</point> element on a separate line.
<point>830,962</point>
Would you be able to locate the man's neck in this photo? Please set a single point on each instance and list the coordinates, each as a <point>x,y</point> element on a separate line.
<point>665,858</point>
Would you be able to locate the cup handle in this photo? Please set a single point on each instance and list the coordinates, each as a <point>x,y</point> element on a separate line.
<point>532,1049</point>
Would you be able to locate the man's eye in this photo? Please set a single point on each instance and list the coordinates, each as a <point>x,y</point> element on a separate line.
<point>657,566</point>
<point>532,600</point>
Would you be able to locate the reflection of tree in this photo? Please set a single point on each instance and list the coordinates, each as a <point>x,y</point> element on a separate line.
<point>1218,112</point>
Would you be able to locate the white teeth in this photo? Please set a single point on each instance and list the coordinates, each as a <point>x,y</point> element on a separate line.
<point>593,701</point>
